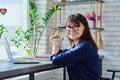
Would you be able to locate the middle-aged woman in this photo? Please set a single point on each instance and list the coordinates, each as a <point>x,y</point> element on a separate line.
<point>81,57</point>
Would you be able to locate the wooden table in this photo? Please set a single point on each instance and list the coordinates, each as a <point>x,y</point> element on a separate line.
<point>8,69</point>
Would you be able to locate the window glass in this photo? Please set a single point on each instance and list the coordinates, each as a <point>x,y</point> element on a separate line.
<point>16,16</point>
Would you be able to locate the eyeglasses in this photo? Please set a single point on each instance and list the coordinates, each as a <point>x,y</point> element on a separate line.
<point>75,28</point>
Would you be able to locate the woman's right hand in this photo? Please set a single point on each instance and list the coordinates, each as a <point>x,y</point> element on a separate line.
<point>56,40</point>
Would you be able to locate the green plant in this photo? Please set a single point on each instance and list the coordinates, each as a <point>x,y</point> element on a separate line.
<point>22,38</point>
<point>39,26</point>
<point>45,20</point>
<point>2,30</point>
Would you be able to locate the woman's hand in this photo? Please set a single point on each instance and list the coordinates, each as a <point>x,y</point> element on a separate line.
<point>56,42</point>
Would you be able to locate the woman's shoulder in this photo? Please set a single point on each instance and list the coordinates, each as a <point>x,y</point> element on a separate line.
<point>85,43</point>
<point>87,47</point>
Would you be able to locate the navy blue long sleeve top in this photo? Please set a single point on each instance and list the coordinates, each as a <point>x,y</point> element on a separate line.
<point>82,61</point>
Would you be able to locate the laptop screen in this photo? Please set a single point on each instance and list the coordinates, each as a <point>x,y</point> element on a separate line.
<point>8,50</point>
<point>17,61</point>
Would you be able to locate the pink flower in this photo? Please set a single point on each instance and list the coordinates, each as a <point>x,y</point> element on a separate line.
<point>91,16</point>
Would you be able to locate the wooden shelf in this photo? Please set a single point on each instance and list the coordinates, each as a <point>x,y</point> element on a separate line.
<point>76,2</point>
<point>97,28</point>
<point>63,27</point>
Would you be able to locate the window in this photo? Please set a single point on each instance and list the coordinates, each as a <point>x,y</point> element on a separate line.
<point>16,16</point>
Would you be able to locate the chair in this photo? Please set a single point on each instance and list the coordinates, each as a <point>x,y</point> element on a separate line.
<point>101,58</point>
<point>113,73</point>
<point>109,70</point>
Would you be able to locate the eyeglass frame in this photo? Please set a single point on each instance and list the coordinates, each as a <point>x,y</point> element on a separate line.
<point>72,27</point>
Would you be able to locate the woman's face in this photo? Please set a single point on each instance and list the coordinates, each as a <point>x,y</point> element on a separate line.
<point>74,31</point>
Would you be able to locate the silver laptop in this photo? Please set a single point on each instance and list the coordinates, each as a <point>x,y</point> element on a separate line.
<point>18,60</point>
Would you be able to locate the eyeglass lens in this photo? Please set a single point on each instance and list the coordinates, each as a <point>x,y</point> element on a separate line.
<point>75,28</point>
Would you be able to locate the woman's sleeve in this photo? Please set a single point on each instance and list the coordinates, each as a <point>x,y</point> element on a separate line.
<point>64,58</point>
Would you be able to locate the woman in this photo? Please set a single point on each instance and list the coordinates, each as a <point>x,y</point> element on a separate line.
<point>81,58</point>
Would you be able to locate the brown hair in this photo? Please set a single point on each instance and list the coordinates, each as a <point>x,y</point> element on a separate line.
<point>78,18</point>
